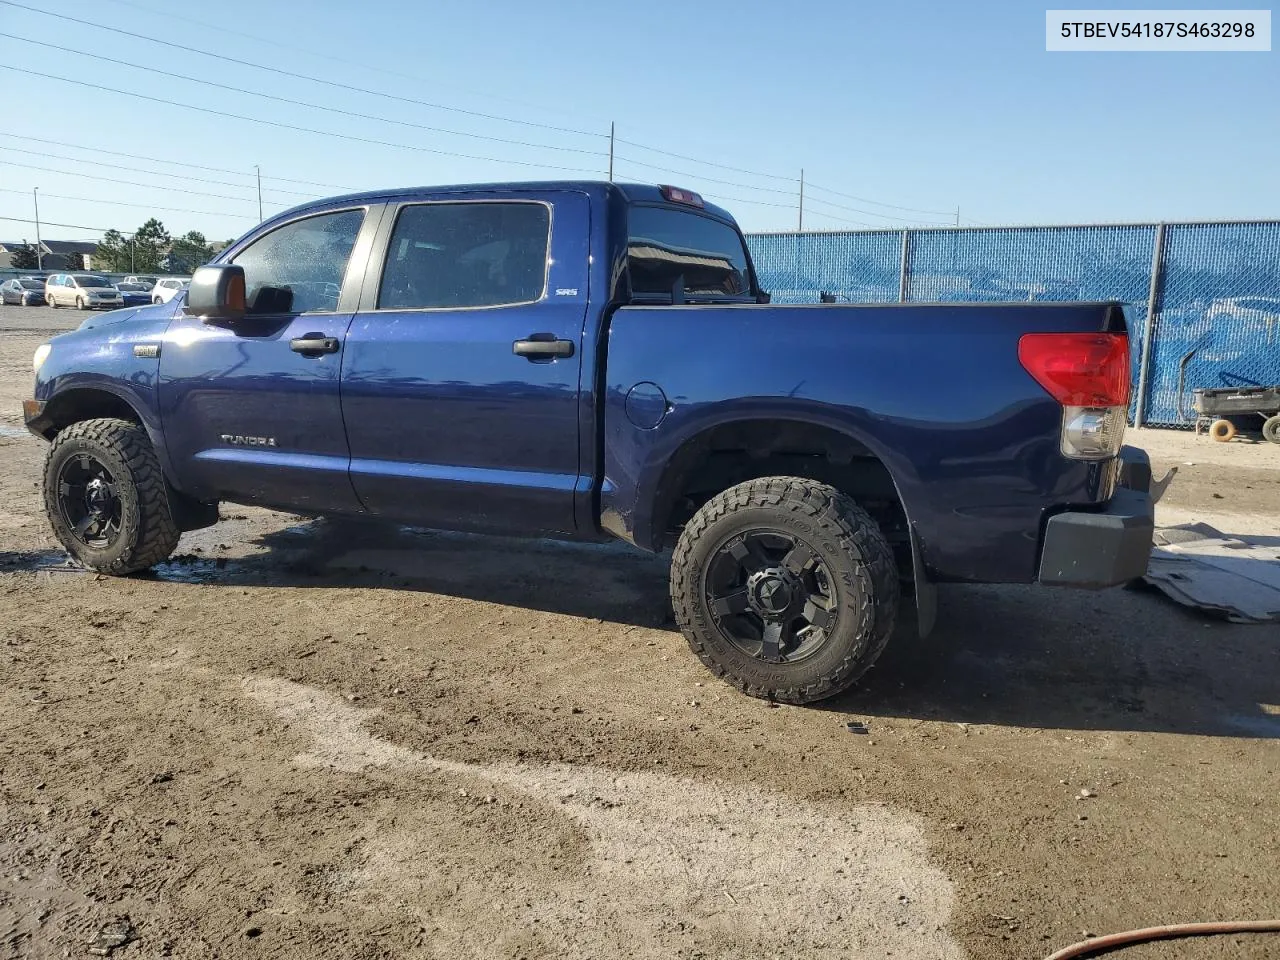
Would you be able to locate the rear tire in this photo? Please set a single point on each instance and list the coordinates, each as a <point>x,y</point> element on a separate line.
<point>799,542</point>
<point>1271,428</point>
<point>106,499</point>
<point>1222,430</point>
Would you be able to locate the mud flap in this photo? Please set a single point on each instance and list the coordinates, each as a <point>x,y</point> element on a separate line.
<point>926,592</point>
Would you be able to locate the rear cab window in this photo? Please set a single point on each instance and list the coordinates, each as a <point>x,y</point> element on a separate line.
<point>673,253</point>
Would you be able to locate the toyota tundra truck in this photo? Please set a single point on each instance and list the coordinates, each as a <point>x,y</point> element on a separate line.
<point>585,361</point>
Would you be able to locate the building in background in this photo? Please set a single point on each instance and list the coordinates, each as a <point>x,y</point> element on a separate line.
<point>56,254</point>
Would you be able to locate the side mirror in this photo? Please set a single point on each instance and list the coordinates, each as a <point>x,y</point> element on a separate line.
<point>217,294</point>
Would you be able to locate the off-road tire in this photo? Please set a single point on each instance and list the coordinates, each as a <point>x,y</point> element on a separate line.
<point>148,533</point>
<point>851,546</point>
<point>1222,430</point>
<point>1271,428</point>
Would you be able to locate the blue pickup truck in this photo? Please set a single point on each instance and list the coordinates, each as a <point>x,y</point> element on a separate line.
<point>583,360</point>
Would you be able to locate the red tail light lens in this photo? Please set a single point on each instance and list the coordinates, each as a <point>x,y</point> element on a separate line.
<point>1079,369</point>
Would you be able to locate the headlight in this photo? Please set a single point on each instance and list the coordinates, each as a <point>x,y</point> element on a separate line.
<point>42,354</point>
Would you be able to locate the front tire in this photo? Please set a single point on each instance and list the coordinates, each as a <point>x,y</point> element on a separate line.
<point>52,302</point>
<point>106,499</point>
<point>785,588</point>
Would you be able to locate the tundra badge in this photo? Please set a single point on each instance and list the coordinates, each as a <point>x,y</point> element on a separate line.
<point>248,441</point>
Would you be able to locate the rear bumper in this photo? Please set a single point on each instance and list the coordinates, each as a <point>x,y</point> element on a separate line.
<point>1107,547</point>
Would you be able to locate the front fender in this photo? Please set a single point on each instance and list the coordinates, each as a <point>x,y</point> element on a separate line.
<point>96,368</point>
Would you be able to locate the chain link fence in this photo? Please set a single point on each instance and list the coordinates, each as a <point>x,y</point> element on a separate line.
<point>1216,288</point>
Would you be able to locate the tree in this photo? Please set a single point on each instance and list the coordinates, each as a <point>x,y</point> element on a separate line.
<point>112,253</point>
<point>151,243</point>
<point>189,251</point>
<point>24,257</point>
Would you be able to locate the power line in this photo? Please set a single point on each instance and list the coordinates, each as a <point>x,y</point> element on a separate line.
<point>128,183</point>
<point>708,163</point>
<point>759,203</point>
<point>297,76</point>
<point>869,213</point>
<point>345,61</point>
<point>176,163</point>
<point>874,203</point>
<point>304,103</point>
<point>143,206</point>
<point>430,104</point>
<point>158,173</point>
<point>282,125</point>
<point>698,176</point>
<point>69,226</point>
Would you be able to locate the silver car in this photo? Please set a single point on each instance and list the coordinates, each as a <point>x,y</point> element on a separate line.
<point>83,290</point>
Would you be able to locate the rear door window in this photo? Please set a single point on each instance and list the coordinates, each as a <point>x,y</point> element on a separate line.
<point>468,254</point>
<point>668,248</point>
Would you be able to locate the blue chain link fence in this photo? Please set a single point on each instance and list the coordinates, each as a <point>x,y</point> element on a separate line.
<point>1217,287</point>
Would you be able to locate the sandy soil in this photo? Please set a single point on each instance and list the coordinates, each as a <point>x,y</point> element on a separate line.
<point>312,739</point>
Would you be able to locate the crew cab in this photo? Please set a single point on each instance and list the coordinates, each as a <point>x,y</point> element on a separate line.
<point>584,360</point>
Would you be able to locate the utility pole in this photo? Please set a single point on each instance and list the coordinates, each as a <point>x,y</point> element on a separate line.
<point>35,194</point>
<point>611,151</point>
<point>957,216</point>
<point>133,254</point>
<point>800,226</point>
<point>258,169</point>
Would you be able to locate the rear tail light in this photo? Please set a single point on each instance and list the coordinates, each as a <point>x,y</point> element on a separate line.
<point>1088,373</point>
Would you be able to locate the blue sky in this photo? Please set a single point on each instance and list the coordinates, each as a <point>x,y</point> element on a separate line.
<point>910,105</point>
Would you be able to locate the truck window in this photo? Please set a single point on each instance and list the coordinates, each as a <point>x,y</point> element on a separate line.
<point>470,254</point>
<point>298,268</point>
<point>665,245</point>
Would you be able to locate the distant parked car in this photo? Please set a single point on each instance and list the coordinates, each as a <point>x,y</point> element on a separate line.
<point>134,294</point>
<point>24,291</point>
<point>167,288</point>
<point>82,290</point>
<point>149,281</point>
<point>1264,311</point>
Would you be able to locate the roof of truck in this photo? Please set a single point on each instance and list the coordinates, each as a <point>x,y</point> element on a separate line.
<point>634,192</point>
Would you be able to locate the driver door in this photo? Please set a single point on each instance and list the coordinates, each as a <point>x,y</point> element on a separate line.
<point>252,411</point>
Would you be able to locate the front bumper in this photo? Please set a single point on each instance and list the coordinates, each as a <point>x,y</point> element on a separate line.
<point>34,416</point>
<point>1106,547</point>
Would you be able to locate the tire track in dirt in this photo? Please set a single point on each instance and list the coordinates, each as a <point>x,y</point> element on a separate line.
<point>741,872</point>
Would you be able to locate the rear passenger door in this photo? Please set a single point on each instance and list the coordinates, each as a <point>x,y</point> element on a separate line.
<point>461,373</point>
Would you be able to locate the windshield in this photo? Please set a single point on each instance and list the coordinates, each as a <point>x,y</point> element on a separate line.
<point>85,280</point>
<point>32,284</point>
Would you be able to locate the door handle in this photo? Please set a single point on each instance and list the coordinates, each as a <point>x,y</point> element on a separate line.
<point>542,346</point>
<point>314,343</point>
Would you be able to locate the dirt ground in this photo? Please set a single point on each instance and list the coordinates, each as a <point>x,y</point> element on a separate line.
<point>308,739</point>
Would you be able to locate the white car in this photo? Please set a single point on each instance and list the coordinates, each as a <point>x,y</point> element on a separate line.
<point>83,290</point>
<point>1257,311</point>
<point>167,288</point>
